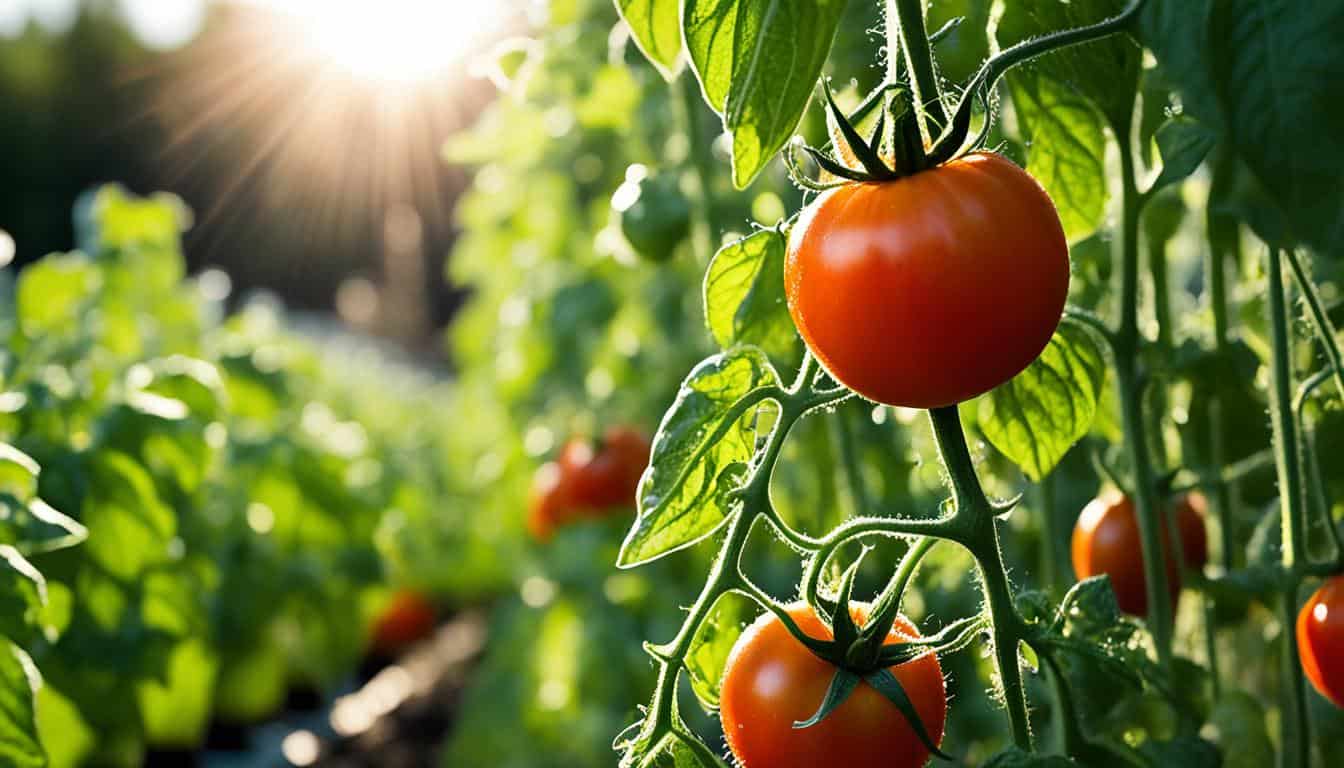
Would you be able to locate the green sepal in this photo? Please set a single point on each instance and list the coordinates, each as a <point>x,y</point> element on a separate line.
<point>842,684</point>
<point>886,684</point>
<point>832,167</point>
<point>863,151</point>
<point>846,632</point>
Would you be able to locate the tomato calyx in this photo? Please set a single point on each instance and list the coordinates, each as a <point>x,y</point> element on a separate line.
<point>860,653</point>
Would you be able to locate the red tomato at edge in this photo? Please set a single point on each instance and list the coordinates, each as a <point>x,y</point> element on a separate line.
<point>931,289</point>
<point>1320,639</point>
<point>771,681</point>
<point>407,619</point>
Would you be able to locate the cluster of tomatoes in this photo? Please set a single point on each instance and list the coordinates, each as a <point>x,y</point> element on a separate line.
<point>588,481</point>
<point>1106,540</point>
<point>974,249</point>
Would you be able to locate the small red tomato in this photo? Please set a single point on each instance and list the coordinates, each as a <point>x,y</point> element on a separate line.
<point>1106,540</point>
<point>931,289</point>
<point>552,502</point>
<point>407,619</point>
<point>1320,639</point>
<point>772,681</point>
<point>607,476</point>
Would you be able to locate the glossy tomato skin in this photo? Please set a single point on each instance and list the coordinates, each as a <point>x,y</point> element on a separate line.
<point>931,289</point>
<point>1320,639</point>
<point>1106,540</point>
<point>771,681</point>
<point>407,619</point>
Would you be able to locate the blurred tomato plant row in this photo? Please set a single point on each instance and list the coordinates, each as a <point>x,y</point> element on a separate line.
<point>1127,355</point>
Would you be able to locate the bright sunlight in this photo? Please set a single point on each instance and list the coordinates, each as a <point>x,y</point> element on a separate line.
<point>398,41</point>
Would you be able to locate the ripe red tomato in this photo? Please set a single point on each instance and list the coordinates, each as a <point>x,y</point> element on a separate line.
<point>407,619</point>
<point>931,289</point>
<point>1320,639</point>
<point>772,681</point>
<point>552,491</point>
<point>587,482</point>
<point>1106,540</point>
<point>607,476</point>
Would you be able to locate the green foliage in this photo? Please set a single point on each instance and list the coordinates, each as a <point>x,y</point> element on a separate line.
<point>744,296</point>
<point>1252,72</point>
<point>700,452</point>
<point>656,26</point>
<point>1035,418</point>
<point>758,63</point>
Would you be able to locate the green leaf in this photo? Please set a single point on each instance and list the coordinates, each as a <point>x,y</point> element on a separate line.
<point>1016,758</point>
<point>1185,751</point>
<point>52,294</point>
<point>19,682</point>
<point>713,642</point>
<point>699,455</point>
<point>129,526</point>
<point>656,28</point>
<point>37,527</point>
<point>1254,71</point>
<point>744,295</point>
<point>1066,149</point>
<point>758,62</point>
<point>118,219</point>
<point>1104,73</point>
<point>1037,416</point>
<point>18,473</point>
<point>1183,143</point>
<point>1239,721</point>
<point>23,593</point>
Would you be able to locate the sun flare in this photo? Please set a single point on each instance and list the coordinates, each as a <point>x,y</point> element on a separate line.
<point>396,41</point>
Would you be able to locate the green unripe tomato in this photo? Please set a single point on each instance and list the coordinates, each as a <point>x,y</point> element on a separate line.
<point>653,213</point>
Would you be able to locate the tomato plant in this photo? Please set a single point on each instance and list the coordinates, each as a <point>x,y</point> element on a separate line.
<point>899,309</point>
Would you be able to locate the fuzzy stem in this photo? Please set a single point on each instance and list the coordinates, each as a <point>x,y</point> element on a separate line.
<point>982,539</point>
<point>1129,388</point>
<point>1224,250</point>
<point>906,31</point>
<point>1293,717</point>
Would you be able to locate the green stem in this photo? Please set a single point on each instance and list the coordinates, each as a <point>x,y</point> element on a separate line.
<point>1325,329</point>
<point>700,158</point>
<point>1224,249</point>
<point>982,539</point>
<point>1130,392</point>
<point>1054,546</point>
<point>1157,269</point>
<point>1293,717</point>
<point>907,33</point>
<point>858,490</point>
<point>1071,731</point>
<point>995,67</point>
